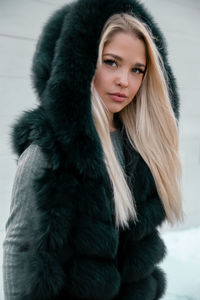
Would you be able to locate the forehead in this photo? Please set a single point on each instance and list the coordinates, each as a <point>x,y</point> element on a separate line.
<point>127,46</point>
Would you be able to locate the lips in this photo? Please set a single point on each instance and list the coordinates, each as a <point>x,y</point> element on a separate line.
<point>118,97</point>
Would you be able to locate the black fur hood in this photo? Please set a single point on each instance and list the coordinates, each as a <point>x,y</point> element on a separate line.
<point>63,66</point>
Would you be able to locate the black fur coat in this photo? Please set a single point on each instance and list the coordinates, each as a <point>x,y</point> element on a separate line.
<point>74,251</point>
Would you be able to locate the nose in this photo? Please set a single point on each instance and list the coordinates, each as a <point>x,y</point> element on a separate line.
<point>122,79</point>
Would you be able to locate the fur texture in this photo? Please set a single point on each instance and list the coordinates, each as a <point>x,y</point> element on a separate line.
<point>72,250</point>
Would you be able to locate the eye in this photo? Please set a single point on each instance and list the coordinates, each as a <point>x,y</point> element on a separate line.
<point>138,71</point>
<point>110,62</point>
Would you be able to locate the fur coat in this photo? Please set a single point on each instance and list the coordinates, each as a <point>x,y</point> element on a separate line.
<point>74,250</point>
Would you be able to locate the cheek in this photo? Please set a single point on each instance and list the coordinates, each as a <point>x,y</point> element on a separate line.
<point>98,81</point>
<point>101,80</point>
<point>136,84</point>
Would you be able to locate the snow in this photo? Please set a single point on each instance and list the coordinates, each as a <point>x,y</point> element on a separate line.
<point>182,264</point>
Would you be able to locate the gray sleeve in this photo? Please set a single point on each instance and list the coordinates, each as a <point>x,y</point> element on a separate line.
<point>30,164</point>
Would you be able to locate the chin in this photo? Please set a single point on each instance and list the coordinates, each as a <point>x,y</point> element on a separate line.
<point>115,110</point>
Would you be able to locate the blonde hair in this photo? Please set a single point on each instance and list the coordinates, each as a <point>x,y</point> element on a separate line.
<point>150,125</point>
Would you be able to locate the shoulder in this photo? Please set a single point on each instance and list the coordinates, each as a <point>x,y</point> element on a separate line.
<point>31,164</point>
<point>32,160</point>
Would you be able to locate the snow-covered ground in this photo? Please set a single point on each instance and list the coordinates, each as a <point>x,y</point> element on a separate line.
<point>182,264</point>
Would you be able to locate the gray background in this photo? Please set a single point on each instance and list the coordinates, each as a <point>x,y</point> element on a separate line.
<point>20,25</point>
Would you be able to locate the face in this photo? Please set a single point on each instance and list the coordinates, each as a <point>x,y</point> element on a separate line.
<point>119,78</point>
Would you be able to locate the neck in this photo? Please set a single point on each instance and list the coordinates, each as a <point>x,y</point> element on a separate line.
<point>112,128</point>
<point>112,125</point>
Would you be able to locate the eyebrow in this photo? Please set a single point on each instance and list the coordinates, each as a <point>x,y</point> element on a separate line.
<point>120,59</point>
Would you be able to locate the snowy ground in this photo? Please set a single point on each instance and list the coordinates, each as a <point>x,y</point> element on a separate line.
<point>182,264</point>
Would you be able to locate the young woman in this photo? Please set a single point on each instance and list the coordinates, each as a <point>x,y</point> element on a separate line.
<point>99,167</point>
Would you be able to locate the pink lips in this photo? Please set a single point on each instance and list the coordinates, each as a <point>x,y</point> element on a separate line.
<point>117,97</point>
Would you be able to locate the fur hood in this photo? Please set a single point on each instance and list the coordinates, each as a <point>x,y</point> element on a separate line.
<point>63,67</point>
<point>89,259</point>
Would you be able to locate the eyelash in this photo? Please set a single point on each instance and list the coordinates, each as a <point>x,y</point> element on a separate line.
<point>111,61</point>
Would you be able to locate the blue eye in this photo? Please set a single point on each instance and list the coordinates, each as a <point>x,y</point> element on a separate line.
<point>110,62</point>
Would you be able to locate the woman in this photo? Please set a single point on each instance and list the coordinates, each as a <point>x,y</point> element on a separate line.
<point>99,168</point>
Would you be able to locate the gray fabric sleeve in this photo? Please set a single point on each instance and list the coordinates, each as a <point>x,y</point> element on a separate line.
<point>30,164</point>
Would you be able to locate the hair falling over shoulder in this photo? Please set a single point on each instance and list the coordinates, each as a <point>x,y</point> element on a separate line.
<point>150,124</point>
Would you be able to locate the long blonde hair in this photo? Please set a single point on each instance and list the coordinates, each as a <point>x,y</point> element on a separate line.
<point>150,125</point>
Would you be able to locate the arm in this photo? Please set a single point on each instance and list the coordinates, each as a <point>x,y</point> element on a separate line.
<point>22,209</point>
